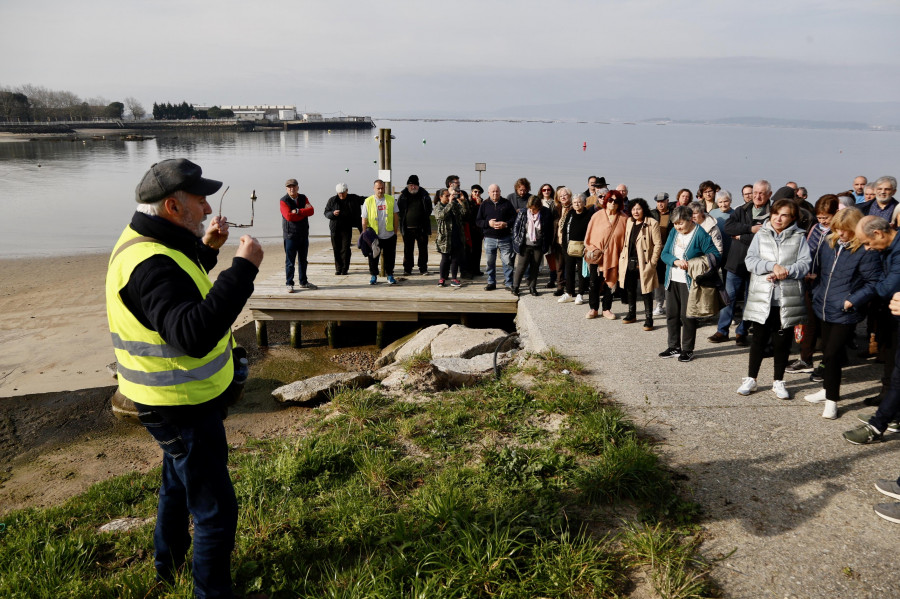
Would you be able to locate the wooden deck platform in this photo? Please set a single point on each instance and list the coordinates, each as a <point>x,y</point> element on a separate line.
<point>350,298</point>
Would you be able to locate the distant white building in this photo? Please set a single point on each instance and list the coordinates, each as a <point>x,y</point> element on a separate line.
<point>258,112</point>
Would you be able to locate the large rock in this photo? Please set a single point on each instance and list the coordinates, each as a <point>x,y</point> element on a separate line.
<point>462,342</point>
<point>125,524</point>
<point>319,387</point>
<point>420,343</point>
<point>389,353</point>
<point>451,373</point>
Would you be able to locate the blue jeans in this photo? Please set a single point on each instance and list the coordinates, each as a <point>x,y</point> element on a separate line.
<point>295,250</point>
<point>735,286</point>
<point>195,482</point>
<point>504,245</point>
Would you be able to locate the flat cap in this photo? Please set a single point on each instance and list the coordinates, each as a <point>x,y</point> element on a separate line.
<point>168,176</point>
<point>662,197</point>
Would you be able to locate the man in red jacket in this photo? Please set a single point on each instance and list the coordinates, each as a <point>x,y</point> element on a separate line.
<point>295,213</point>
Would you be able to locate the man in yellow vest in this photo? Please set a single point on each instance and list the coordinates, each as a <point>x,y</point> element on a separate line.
<point>171,330</point>
<point>380,213</point>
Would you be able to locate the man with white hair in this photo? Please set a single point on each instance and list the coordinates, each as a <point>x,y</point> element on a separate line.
<point>342,212</point>
<point>884,203</point>
<point>177,361</point>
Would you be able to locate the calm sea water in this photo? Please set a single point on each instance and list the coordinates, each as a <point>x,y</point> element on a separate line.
<point>67,197</point>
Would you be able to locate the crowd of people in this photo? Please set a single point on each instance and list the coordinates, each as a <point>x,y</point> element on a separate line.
<point>777,269</point>
<point>798,271</point>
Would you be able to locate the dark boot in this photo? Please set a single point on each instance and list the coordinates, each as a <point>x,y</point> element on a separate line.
<point>552,282</point>
<point>648,311</point>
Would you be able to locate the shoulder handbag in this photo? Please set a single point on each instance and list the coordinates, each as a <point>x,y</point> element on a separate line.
<point>595,256</point>
<point>573,248</point>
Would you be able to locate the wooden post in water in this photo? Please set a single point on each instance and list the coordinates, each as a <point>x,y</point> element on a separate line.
<point>262,334</point>
<point>331,333</point>
<point>379,334</point>
<point>296,333</point>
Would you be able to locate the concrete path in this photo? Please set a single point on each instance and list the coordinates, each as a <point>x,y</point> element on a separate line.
<point>777,482</point>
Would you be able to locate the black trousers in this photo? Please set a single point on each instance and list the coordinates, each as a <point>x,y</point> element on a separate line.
<point>781,344</point>
<point>834,355</point>
<point>340,244</point>
<point>389,253</point>
<point>599,288</point>
<point>573,274</point>
<point>450,262</point>
<point>413,237</point>
<point>530,258</point>
<point>633,291</point>
<point>682,330</point>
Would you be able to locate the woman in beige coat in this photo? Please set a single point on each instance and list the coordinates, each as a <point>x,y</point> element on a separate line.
<point>638,260</point>
<point>605,235</point>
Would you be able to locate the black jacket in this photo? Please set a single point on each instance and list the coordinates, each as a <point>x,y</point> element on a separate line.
<point>740,223</point>
<point>349,216</point>
<point>164,298</point>
<point>403,201</point>
<point>520,230</point>
<point>502,210</point>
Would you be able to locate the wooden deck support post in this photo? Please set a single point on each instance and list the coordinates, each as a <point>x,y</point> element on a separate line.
<point>262,333</point>
<point>296,333</point>
<point>331,333</point>
<point>379,334</point>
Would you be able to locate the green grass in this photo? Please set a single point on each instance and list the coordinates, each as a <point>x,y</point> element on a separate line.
<point>489,491</point>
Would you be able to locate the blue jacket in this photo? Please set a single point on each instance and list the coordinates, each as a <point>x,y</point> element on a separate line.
<point>520,230</point>
<point>890,257</point>
<point>844,275</point>
<point>700,245</point>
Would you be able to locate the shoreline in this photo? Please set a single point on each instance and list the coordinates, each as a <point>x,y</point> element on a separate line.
<point>54,335</point>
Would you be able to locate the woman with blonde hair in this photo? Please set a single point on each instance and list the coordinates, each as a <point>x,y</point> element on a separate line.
<point>847,275</point>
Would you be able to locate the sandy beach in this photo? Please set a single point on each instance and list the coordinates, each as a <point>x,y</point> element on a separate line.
<point>54,335</point>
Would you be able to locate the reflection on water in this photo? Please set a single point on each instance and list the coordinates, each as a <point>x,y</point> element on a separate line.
<point>65,196</point>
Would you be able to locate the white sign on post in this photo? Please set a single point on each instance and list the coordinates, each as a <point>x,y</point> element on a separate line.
<point>384,175</point>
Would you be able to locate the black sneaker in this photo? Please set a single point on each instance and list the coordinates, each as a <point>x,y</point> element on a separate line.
<point>407,273</point>
<point>455,283</point>
<point>670,353</point>
<point>798,366</point>
<point>686,356</point>
<point>817,375</point>
<point>490,287</point>
<point>440,282</point>
<point>558,292</point>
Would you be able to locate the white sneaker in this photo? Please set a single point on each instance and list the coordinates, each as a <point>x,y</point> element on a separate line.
<point>817,397</point>
<point>779,390</point>
<point>579,299</point>
<point>565,297</point>
<point>659,310</point>
<point>830,411</point>
<point>748,386</point>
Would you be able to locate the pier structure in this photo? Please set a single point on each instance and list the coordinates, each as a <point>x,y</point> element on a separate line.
<point>350,298</point>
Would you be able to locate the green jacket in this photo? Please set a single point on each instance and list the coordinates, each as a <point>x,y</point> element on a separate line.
<point>449,219</point>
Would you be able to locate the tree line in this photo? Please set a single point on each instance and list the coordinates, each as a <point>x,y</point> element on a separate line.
<point>36,103</point>
<point>184,110</point>
<point>33,103</point>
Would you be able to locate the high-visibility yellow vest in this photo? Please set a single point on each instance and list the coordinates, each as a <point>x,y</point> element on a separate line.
<point>372,213</point>
<point>151,371</point>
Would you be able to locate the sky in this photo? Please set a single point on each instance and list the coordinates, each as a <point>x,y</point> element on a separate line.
<point>398,57</point>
